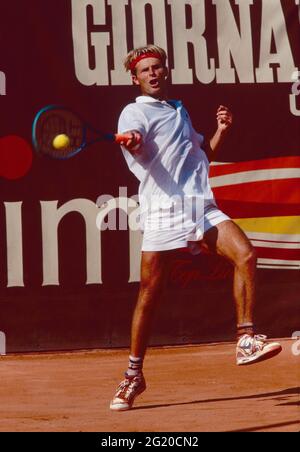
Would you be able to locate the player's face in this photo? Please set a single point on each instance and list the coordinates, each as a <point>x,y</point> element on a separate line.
<point>151,77</point>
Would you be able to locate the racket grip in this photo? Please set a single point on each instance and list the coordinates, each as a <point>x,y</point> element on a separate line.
<point>122,137</point>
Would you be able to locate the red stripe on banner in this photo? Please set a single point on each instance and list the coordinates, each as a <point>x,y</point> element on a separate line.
<point>276,253</point>
<point>230,168</point>
<point>239,209</point>
<point>277,241</point>
<point>272,191</point>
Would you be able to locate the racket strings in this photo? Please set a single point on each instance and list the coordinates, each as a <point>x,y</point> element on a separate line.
<point>59,122</point>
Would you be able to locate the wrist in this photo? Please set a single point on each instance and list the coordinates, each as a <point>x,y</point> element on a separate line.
<point>222,132</point>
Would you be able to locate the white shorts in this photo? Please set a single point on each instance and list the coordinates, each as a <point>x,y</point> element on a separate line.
<point>165,238</point>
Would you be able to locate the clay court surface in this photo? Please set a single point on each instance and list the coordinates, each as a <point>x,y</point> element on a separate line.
<point>195,388</point>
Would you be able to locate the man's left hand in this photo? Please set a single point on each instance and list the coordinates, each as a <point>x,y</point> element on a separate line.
<point>224,118</point>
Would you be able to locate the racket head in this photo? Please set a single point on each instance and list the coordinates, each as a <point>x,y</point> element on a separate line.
<point>54,120</point>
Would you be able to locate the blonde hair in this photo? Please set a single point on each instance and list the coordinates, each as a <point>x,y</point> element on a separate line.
<point>135,53</point>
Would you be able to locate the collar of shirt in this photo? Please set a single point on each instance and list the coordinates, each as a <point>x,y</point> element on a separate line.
<point>148,99</point>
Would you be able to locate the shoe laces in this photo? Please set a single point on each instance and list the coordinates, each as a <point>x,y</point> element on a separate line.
<point>256,342</point>
<point>127,386</point>
<point>259,341</point>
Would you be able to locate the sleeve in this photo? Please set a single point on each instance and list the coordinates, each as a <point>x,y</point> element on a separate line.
<point>205,146</point>
<point>200,139</point>
<point>207,149</point>
<point>133,118</point>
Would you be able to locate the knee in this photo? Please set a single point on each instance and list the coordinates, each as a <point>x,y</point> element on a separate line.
<point>247,256</point>
<point>151,292</point>
<point>154,272</point>
<point>150,287</point>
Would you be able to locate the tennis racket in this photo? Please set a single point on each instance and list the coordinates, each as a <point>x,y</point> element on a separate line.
<point>53,121</point>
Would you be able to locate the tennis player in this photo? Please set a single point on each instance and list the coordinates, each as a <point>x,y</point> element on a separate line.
<point>178,210</point>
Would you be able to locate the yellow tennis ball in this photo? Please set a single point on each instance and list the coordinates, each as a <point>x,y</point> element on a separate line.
<point>61,141</point>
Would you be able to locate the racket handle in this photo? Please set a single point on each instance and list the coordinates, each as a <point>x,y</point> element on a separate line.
<point>122,137</point>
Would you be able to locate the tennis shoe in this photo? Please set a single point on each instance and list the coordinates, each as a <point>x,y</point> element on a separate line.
<point>127,391</point>
<point>251,350</point>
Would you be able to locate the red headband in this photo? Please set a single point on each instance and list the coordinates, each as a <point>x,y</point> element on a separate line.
<point>142,57</point>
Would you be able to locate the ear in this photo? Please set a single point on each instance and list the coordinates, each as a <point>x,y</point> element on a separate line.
<point>166,72</point>
<point>134,79</point>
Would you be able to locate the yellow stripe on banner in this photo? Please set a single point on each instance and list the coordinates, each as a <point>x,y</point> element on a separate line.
<point>273,225</point>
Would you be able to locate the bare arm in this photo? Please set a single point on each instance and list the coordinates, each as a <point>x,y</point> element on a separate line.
<point>224,119</point>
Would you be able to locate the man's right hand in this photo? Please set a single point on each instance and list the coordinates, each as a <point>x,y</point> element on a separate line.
<point>134,142</point>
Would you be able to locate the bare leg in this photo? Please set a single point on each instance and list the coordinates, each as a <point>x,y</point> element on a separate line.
<point>228,240</point>
<point>153,277</point>
<point>154,269</point>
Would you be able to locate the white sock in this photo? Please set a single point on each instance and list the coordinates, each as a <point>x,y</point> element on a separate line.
<point>135,366</point>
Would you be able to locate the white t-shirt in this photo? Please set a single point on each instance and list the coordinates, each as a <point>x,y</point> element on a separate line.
<point>170,161</point>
<point>177,205</point>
